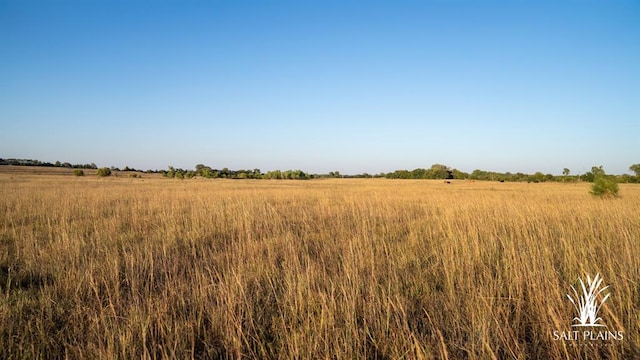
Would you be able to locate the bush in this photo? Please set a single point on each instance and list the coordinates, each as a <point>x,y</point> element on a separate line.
<point>103,172</point>
<point>78,172</point>
<point>604,187</point>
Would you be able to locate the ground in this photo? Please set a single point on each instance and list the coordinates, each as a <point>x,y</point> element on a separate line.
<point>350,268</point>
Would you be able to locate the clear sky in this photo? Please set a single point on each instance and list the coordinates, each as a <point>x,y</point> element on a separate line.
<point>354,86</point>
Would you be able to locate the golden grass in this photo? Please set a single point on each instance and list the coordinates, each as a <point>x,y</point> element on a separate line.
<point>159,268</point>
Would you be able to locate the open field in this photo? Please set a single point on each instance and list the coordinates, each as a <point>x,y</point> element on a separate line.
<point>160,268</point>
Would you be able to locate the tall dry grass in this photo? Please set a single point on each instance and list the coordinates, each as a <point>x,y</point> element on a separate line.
<point>157,268</point>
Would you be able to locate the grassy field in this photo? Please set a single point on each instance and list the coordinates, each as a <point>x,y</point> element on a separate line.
<point>158,268</point>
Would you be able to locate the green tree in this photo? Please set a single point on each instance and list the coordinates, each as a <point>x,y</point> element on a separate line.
<point>103,172</point>
<point>629,179</point>
<point>597,171</point>
<point>604,187</point>
<point>457,174</point>
<point>418,174</point>
<point>566,172</point>
<point>204,171</point>
<point>439,171</point>
<point>274,174</point>
<point>538,177</point>
<point>591,176</point>
<point>78,172</point>
<point>636,169</point>
<point>588,177</point>
<point>478,174</point>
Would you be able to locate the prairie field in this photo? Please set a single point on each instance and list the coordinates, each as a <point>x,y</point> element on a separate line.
<point>145,268</point>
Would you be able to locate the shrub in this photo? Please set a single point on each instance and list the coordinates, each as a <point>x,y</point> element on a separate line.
<point>102,172</point>
<point>604,187</point>
<point>78,172</point>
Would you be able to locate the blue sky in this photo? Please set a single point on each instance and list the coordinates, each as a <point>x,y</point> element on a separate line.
<point>370,86</point>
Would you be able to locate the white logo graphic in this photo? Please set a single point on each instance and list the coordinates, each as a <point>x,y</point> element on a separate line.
<point>588,328</point>
<point>588,304</point>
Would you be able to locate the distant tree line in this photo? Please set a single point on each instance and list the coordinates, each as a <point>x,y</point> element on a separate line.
<point>224,173</point>
<point>29,162</point>
<point>436,171</point>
